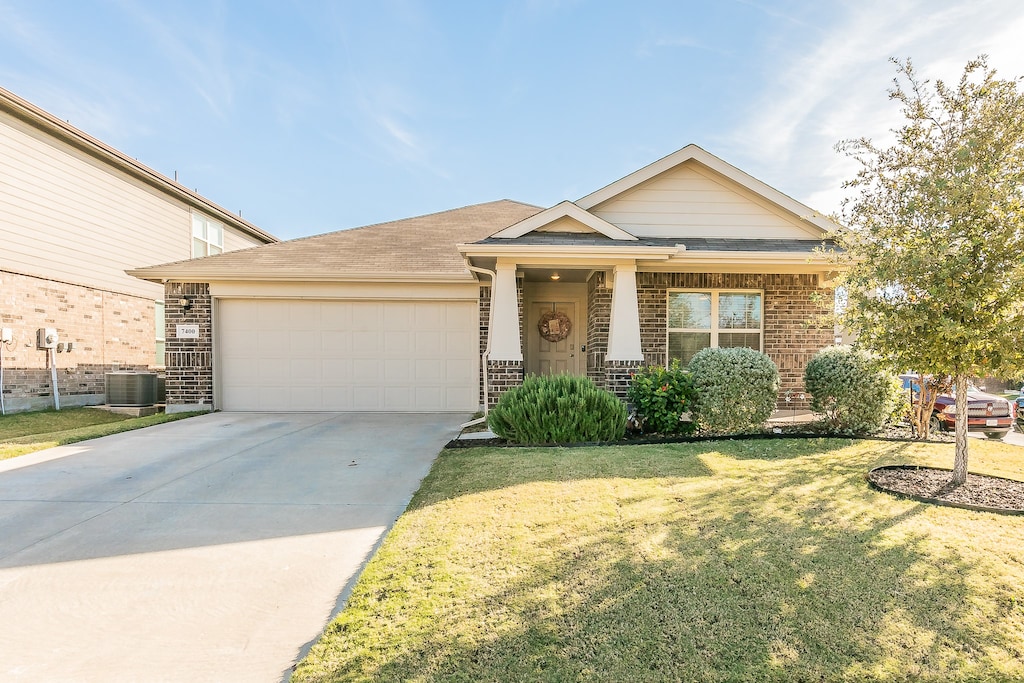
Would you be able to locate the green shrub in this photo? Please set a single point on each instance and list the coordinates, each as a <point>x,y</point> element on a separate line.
<point>660,396</point>
<point>854,393</point>
<point>558,409</point>
<point>737,389</point>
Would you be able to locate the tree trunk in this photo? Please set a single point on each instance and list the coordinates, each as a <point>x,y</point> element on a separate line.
<point>960,460</point>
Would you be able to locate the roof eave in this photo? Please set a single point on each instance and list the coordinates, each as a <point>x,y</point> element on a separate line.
<point>161,276</point>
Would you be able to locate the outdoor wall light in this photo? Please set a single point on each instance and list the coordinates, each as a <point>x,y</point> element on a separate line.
<point>185,302</point>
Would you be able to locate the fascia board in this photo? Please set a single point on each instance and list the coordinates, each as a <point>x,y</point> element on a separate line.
<point>159,275</point>
<point>695,153</point>
<point>564,209</point>
<point>712,260</point>
<point>573,252</point>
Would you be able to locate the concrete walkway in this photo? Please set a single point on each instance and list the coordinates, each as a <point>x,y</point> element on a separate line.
<point>211,549</point>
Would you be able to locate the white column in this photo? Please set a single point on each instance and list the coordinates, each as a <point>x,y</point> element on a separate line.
<point>624,327</point>
<point>504,332</point>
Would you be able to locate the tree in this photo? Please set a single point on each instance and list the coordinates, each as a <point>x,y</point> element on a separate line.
<point>935,250</point>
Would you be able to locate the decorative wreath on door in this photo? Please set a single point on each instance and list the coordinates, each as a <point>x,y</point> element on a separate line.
<point>554,326</point>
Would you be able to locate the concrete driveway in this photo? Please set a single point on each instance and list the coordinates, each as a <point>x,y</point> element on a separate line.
<point>211,549</point>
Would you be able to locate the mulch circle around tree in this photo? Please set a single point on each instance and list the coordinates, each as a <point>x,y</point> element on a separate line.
<point>932,485</point>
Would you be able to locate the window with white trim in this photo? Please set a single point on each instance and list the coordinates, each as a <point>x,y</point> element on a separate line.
<point>207,236</point>
<point>698,319</point>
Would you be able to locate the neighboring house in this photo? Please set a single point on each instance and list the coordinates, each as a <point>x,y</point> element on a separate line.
<point>685,253</point>
<point>74,215</point>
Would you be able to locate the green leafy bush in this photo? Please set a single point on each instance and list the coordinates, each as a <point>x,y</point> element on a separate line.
<point>737,389</point>
<point>558,409</point>
<point>660,396</point>
<point>850,388</point>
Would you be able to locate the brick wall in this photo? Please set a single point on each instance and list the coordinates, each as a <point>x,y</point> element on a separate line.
<point>189,361</point>
<point>108,331</point>
<point>599,313</point>
<point>793,331</point>
<point>619,375</point>
<point>503,375</point>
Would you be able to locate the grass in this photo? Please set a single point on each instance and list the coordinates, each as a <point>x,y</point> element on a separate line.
<point>22,433</point>
<point>719,561</point>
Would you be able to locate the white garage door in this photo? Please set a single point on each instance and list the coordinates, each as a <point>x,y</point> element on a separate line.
<point>303,355</point>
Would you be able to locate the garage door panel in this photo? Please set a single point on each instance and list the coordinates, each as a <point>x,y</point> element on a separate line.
<point>398,342</point>
<point>460,343</point>
<point>272,343</point>
<point>430,342</point>
<point>347,355</point>
<point>398,316</point>
<point>337,371</point>
<point>304,315</point>
<point>335,343</point>
<point>429,372</point>
<point>366,344</point>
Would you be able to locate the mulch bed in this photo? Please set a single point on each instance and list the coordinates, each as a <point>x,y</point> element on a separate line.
<point>933,485</point>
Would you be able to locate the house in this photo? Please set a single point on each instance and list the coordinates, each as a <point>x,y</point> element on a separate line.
<point>74,215</point>
<point>444,312</point>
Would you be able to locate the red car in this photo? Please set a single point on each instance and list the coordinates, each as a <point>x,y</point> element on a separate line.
<point>986,413</point>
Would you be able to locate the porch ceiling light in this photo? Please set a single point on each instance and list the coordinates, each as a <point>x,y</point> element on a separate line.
<point>555,276</point>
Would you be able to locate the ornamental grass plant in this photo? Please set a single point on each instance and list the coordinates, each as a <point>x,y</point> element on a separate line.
<point>558,409</point>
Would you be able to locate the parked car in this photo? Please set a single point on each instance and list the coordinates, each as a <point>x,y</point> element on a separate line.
<point>986,413</point>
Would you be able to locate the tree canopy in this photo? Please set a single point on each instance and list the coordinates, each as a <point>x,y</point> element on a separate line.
<point>935,247</point>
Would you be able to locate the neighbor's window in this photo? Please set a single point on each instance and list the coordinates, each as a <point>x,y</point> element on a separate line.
<point>161,332</point>
<point>699,319</point>
<point>207,236</point>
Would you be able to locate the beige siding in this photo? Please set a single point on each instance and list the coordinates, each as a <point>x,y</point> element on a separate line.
<point>67,217</point>
<point>692,201</point>
<point>236,239</point>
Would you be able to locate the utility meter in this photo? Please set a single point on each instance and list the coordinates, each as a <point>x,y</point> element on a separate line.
<point>46,338</point>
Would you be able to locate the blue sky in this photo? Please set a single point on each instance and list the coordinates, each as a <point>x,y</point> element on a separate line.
<point>317,116</point>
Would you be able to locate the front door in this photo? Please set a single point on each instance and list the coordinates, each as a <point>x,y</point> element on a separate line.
<point>552,331</point>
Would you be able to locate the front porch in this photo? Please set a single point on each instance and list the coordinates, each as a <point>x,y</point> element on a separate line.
<point>619,320</point>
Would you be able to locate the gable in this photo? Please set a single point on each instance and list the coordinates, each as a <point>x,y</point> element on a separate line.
<point>692,200</point>
<point>564,217</point>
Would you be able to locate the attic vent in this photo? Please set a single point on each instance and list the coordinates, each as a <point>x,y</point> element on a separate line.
<point>133,389</point>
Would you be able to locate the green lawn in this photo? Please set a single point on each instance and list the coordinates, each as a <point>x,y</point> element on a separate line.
<point>22,433</point>
<point>720,561</point>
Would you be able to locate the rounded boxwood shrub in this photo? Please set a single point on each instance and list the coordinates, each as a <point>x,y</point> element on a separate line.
<point>558,409</point>
<point>852,391</point>
<point>660,397</point>
<point>737,389</point>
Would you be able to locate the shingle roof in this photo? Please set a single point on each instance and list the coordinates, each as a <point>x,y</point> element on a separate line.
<point>691,243</point>
<point>424,245</point>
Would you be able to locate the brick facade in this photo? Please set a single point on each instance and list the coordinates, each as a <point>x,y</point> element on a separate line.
<point>189,361</point>
<point>599,315</point>
<point>108,331</point>
<point>793,326</point>
<point>503,375</point>
<point>619,374</point>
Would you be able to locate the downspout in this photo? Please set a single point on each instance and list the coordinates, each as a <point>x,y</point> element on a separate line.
<point>490,327</point>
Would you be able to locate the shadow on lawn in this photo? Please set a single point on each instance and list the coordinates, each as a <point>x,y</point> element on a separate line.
<point>790,573</point>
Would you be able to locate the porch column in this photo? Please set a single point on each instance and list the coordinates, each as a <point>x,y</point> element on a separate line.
<point>504,332</point>
<point>624,326</point>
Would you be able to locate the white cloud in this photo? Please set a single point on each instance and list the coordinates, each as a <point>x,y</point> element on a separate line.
<point>837,89</point>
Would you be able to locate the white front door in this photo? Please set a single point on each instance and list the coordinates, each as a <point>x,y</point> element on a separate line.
<point>549,354</point>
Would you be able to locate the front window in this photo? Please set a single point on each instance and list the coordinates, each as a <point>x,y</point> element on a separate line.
<point>725,319</point>
<point>207,236</point>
